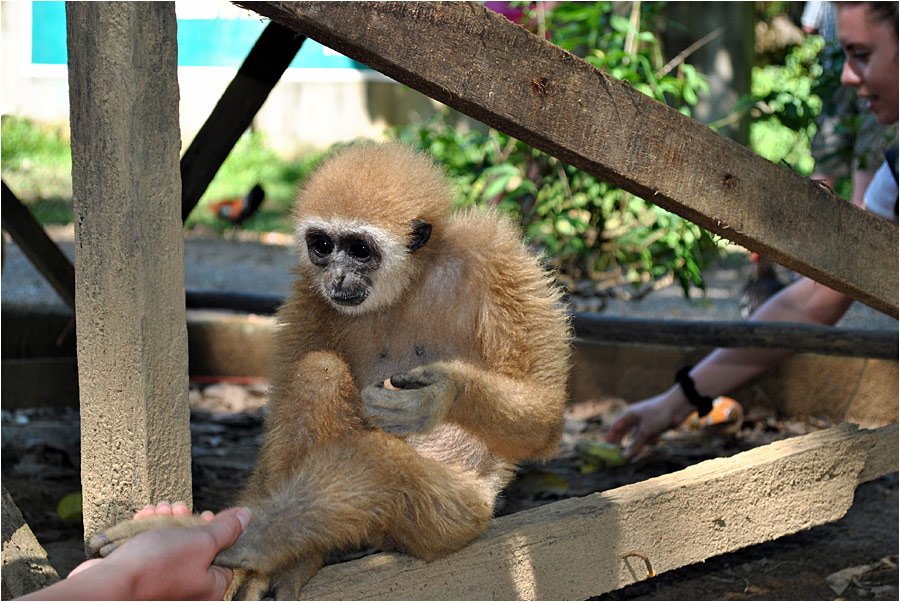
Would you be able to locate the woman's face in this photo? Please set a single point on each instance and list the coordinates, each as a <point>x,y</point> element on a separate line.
<point>870,67</point>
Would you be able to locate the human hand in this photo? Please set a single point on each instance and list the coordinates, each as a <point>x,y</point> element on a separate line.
<point>170,563</point>
<point>645,421</point>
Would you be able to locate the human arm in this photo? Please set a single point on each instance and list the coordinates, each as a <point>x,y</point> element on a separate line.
<point>725,369</point>
<point>173,563</point>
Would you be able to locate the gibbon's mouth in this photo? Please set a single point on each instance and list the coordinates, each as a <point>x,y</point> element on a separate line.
<point>348,299</point>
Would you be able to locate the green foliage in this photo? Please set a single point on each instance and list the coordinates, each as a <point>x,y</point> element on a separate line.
<point>783,107</point>
<point>627,50</point>
<point>37,166</point>
<point>25,143</point>
<point>588,229</point>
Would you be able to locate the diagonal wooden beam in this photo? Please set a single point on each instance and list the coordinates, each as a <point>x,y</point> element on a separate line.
<point>38,247</point>
<point>478,62</point>
<point>239,104</point>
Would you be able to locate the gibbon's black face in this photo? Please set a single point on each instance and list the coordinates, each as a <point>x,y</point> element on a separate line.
<point>348,263</point>
<point>357,266</point>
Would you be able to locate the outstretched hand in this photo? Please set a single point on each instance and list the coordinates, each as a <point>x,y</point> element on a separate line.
<point>171,563</point>
<point>646,421</point>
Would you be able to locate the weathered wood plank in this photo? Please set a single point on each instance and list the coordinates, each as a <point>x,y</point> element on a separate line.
<point>129,261</point>
<point>572,549</point>
<point>813,338</point>
<point>477,62</point>
<point>233,114</point>
<point>41,251</point>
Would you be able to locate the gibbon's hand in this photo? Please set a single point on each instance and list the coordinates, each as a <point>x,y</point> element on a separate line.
<point>415,402</point>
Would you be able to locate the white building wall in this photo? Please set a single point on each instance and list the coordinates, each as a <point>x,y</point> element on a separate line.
<point>306,109</point>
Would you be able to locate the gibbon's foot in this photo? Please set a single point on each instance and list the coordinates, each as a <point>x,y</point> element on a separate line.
<point>417,401</point>
<point>115,537</point>
<point>247,585</point>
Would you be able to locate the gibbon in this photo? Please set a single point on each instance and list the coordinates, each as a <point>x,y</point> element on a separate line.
<point>421,354</point>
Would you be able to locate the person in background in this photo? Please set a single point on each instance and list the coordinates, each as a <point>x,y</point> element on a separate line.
<point>867,32</point>
<point>849,141</point>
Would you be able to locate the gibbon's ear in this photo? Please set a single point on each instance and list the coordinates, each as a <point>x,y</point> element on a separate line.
<point>421,232</point>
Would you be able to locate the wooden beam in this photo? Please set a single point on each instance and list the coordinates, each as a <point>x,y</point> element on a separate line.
<point>129,289</point>
<point>478,62</point>
<point>40,250</point>
<point>573,549</point>
<point>811,338</point>
<point>233,114</point>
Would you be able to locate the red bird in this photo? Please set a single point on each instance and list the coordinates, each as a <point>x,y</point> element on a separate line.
<point>238,210</point>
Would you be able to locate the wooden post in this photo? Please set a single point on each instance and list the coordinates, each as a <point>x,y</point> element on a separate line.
<point>129,258</point>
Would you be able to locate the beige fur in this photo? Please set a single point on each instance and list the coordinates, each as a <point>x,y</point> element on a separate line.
<point>472,308</point>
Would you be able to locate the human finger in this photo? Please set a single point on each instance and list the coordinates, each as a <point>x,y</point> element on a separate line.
<point>221,578</point>
<point>620,427</point>
<point>180,509</point>
<point>227,526</point>
<point>641,437</point>
<point>145,512</point>
<point>164,509</point>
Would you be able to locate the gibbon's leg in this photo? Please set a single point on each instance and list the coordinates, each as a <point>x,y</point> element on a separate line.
<point>358,490</point>
<point>351,486</point>
<point>313,399</point>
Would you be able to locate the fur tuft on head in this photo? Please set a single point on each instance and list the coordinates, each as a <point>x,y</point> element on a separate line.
<point>388,185</point>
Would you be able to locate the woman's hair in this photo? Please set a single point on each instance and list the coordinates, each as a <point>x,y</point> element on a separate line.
<point>885,12</point>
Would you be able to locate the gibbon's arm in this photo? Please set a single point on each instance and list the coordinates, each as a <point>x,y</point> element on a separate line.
<point>517,418</point>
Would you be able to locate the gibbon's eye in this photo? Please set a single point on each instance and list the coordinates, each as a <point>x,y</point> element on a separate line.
<point>359,250</point>
<point>321,245</point>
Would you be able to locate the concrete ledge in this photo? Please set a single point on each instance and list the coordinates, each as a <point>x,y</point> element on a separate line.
<point>580,547</point>
<point>25,564</point>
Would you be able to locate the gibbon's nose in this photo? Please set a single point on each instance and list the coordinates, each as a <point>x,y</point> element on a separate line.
<point>336,275</point>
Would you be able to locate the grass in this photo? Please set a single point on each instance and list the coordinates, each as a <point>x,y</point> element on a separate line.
<point>37,166</point>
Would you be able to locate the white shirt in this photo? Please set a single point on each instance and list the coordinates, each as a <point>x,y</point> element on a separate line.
<point>881,194</point>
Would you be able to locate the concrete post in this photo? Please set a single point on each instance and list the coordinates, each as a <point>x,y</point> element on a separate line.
<point>129,258</point>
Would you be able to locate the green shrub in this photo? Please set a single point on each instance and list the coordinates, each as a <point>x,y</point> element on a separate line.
<point>589,230</point>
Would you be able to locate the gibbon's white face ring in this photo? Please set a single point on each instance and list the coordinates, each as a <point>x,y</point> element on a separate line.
<point>388,281</point>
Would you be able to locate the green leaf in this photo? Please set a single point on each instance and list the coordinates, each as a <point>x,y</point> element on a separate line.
<point>69,508</point>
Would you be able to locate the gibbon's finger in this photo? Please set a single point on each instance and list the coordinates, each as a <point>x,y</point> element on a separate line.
<point>422,376</point>
<point>410,380</point>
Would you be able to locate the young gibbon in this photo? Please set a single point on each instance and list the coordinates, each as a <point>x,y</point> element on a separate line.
<point>421,354</point>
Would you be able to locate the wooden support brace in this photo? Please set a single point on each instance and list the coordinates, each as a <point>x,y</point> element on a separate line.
<point>583,547</point>
<point>812,338</point>
<point>37,246</point>
<point>131,318</point>
<point>478,62</point>
<point>261,70</point>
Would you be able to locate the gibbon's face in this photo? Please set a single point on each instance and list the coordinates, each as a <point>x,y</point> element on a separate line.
<point>358,267</point>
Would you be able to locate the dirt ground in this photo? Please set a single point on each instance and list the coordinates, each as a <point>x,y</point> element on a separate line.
<point>41,460</point>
